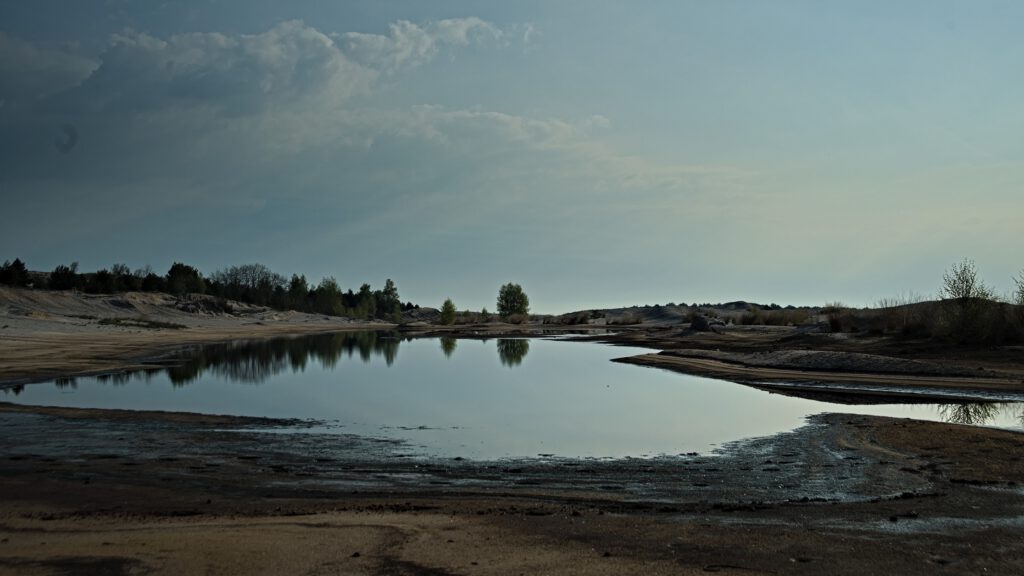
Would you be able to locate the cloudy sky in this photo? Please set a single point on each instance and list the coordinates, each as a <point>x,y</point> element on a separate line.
<point>598,153</point>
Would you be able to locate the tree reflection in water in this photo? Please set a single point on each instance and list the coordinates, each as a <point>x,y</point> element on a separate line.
<point>448,346</point>
<point>979,413</point>
<point>512,351</point>
<point>256,361</point>
<point>253,362</point>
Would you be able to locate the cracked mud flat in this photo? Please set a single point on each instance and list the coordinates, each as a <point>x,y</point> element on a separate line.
<point>108,492</point>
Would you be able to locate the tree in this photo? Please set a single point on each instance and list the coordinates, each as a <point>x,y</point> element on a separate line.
<point>121,278</point>
<point>64,277</point>
<point>253,283</point>
<point>1018,295</point>
<point>448,312</point>
<point>152,283</point>
<point>512,300</point>
<point>367,307</point>
<point>183,279</point>
<point>298,292</point>
<point>968,306</point>
<point>14,273</point>
<point>961,283</point>
<point>328,297</point>
<point>388,303</point>
<point>100,282</point>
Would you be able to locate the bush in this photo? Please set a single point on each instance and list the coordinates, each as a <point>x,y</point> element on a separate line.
<point>838,316</point>
<point>752,316</point>
<point>517,318</point>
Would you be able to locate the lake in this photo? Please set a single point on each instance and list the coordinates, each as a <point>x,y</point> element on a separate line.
<point>477,399</point>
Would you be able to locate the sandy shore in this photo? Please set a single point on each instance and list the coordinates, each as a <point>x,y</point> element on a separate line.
<point>45,335</point>
<point>124,492</point>
<point>912,386</point>
<point>790,359</point>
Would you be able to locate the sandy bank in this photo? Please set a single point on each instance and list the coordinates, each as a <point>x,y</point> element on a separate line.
<point>868,383</point>
<point>787,357</point>
<point>45,335</point>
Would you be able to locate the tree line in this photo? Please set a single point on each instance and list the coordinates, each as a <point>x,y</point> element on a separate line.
<point>249,283</point>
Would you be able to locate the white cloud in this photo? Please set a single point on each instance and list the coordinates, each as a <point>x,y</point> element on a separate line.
<point>236,75</point>
<point>529,34</point>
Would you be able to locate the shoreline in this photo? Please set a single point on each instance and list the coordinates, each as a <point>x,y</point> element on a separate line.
<point>852,384</point>
<point>85,489</point>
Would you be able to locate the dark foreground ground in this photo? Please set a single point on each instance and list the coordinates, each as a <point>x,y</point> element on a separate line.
<point>107,492</point>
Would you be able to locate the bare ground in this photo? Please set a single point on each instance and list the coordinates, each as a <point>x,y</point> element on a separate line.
<point>84,493</point>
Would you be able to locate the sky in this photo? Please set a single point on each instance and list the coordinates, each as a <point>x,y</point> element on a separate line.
<point>598,153</point>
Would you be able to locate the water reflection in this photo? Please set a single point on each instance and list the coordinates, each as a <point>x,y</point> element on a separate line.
<point>979,413</point>
<point>448,346</point>
<point>256,361</point>
<point>512,351</point>
<point>253,362</point>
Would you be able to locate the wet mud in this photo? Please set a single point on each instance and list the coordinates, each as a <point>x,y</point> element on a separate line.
<point>839,492</point>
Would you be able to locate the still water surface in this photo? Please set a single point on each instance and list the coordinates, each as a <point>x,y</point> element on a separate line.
<point>473,398</point>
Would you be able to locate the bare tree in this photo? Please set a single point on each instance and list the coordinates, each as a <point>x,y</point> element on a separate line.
<point>961,282</point>
<point>1018,295</point>
<point>969,309</point>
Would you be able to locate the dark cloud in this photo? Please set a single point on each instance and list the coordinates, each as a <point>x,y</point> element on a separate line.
<point>29,71</point>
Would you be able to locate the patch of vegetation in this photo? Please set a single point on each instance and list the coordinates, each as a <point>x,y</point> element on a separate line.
<point>517,318</point>
<point>757,316</point>
<point>967,312</point>
<point>140,323</point>
<point>625,320</point>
